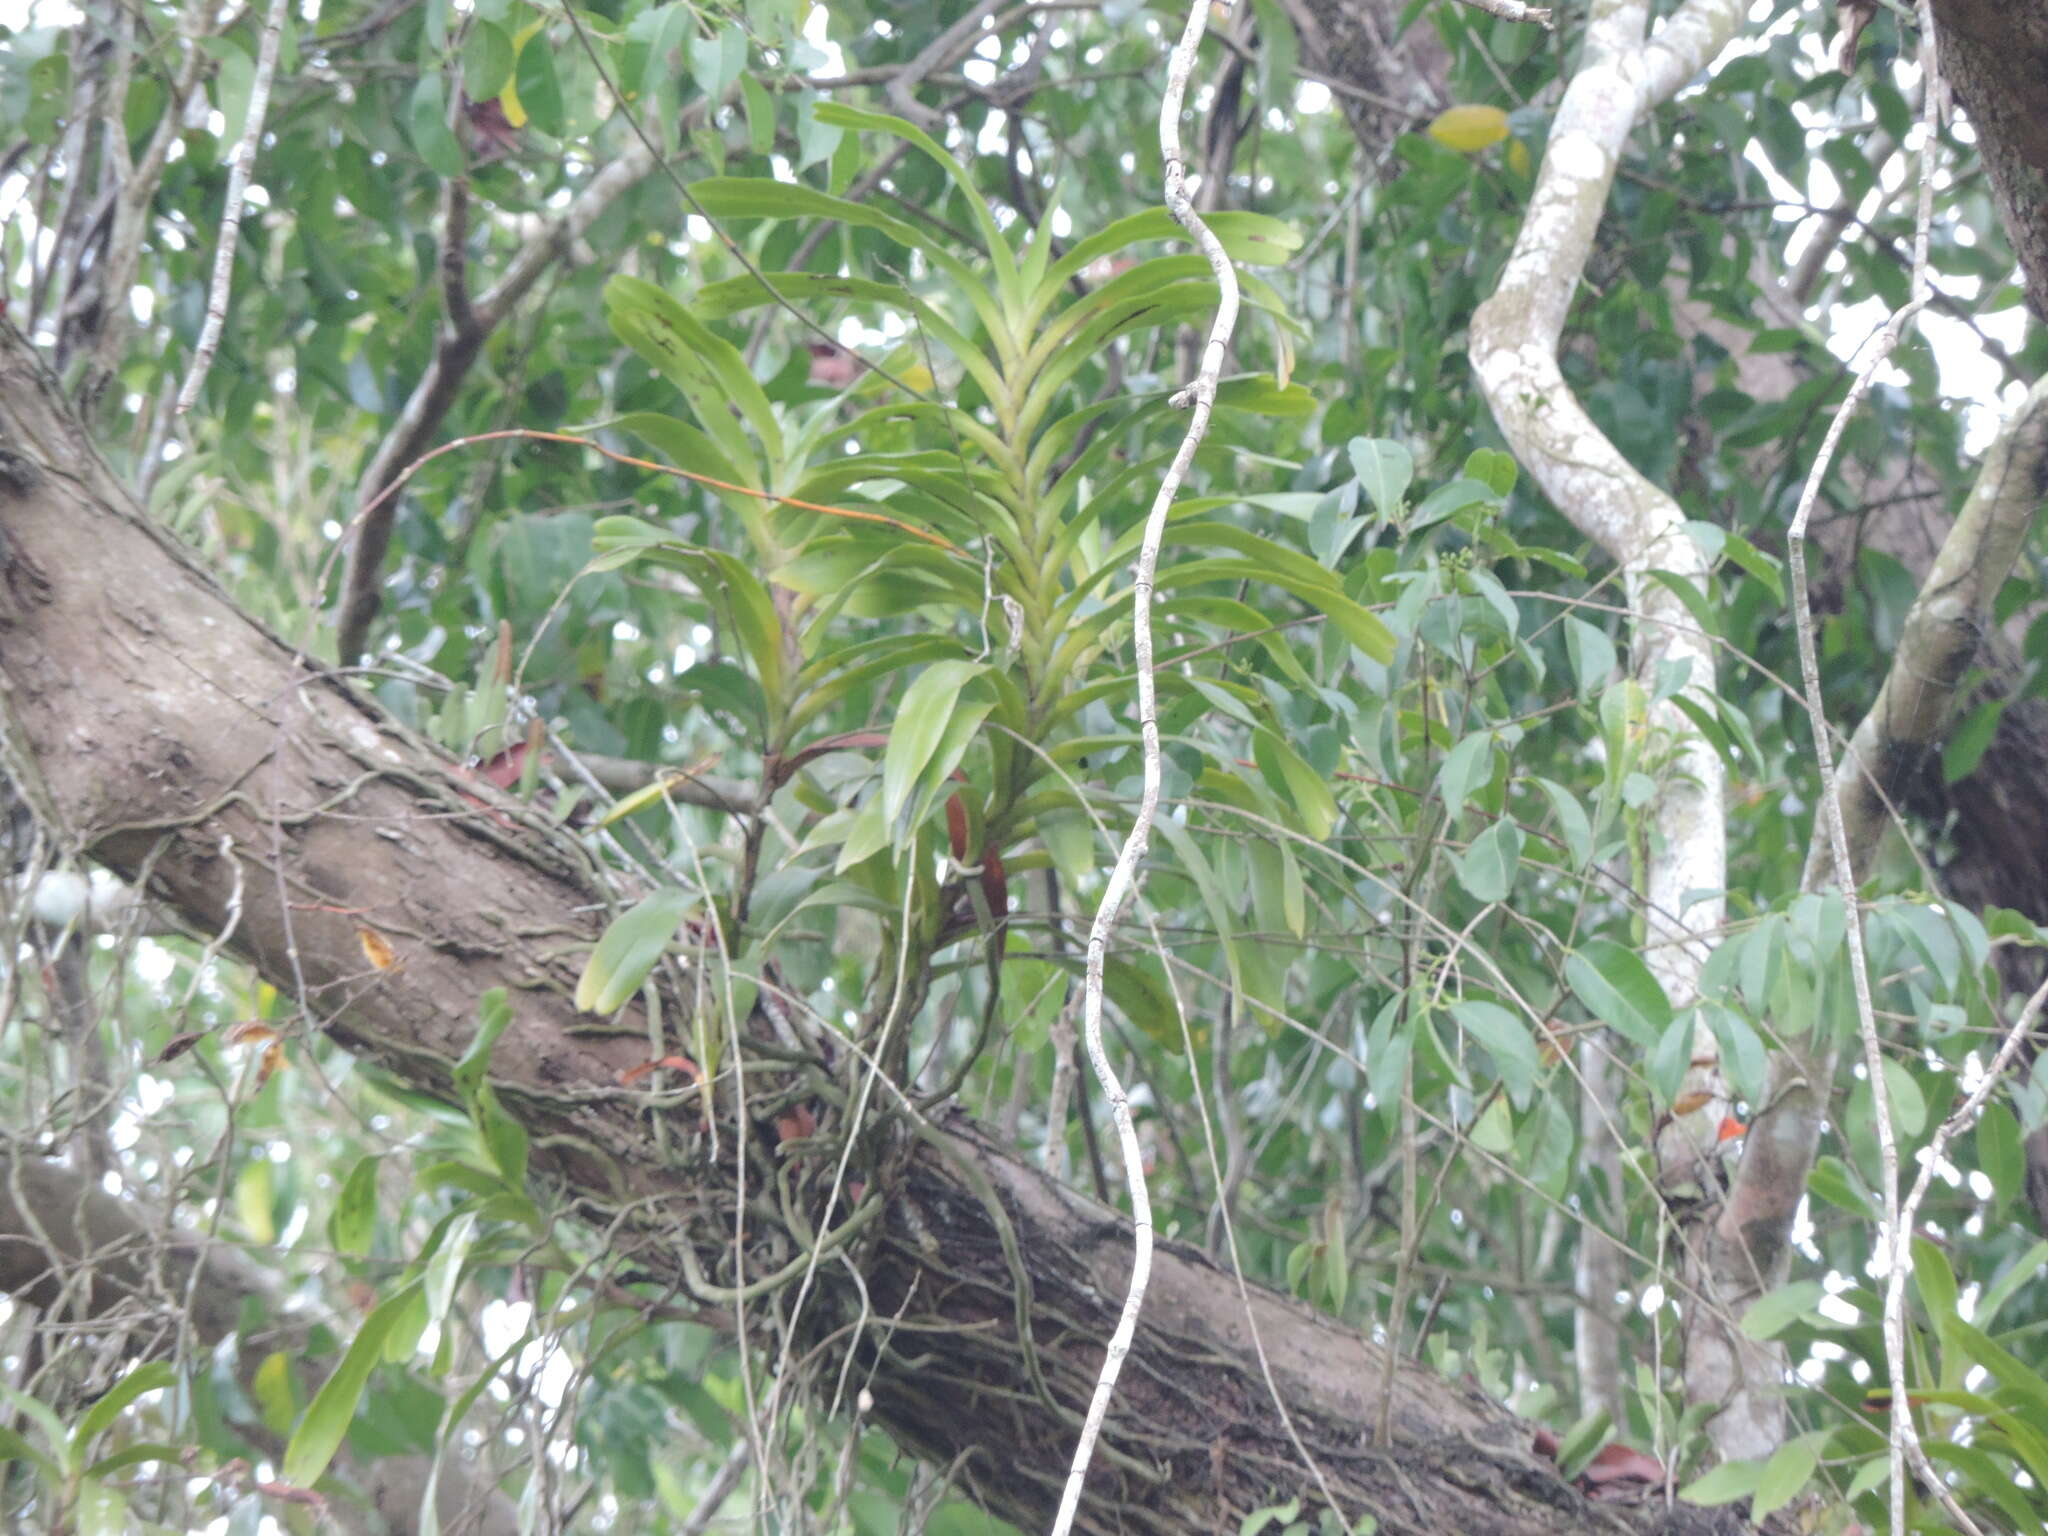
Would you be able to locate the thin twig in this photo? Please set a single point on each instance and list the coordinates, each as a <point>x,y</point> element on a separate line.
<point>1200,396</point>
<point>1966,1114</point>
<point>240,163</point>
<point>1905,1440</point>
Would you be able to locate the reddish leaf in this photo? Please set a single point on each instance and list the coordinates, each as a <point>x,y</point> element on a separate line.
<point>1616,1463</point>
<point>795,1122</point>
<point>995,884</point>
<point>504,769</point>
<point>956,828</point>
<point>681,1064</point>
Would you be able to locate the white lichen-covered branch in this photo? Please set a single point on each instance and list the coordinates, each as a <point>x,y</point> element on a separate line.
<point>1199,399</point>
<point>1514,346</point>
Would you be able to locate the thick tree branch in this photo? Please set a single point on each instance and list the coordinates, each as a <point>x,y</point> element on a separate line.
<point>172,731</point>
<point>1996,57</point>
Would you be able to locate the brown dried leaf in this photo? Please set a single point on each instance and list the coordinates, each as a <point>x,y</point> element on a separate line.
<point>376,948</point>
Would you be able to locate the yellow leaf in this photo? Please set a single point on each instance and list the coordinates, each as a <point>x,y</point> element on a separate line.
<point>640,798</point>
<point>273,1390</point>
<point>515,114</point>
<point>1518,158</point>
<point>1469,129</point>
<point>255,1189</point>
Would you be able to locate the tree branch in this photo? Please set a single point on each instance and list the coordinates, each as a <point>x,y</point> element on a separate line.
<point>71,1249</point>
<point>454,354</point>
<point>246,776</point>
<point>1514,348</point>
<point>1200,396</point>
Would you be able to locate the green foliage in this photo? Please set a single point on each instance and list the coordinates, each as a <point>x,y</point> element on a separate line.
<point>883,405</point>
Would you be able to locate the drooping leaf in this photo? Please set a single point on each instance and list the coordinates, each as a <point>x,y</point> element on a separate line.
<point>629,949</point>
<point>1507,1041</point>
<point>1292,777</point>
<point>1619,990</point>
<point>354,1221</point>
<point>1998,1151</point>
<point>431,136</point>
<point>1487,868</point>
<point>1466,768</point>
<point>326,1420</point>
<point>1385,469</point>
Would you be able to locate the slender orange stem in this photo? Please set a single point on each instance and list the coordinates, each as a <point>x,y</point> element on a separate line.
<point>663,469</point>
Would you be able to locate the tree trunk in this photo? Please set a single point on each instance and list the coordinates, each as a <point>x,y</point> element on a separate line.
<point>1995,56</point>
<point>256,794</point>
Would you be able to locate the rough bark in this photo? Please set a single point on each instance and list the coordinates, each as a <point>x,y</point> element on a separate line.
<point>177,741</point>
<point>1994,55</point>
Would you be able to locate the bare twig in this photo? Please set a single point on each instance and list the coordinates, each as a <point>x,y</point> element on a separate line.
<point>240,162</point>
<point>1200,396</point>
<point>730,1471</point>
<point>1909,1210</point>
<point>957,39</point>
<point>1515,10</point>
<point>1905,1441</point>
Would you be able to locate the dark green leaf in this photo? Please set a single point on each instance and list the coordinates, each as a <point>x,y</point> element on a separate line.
<point>428,120</point>
<point>1619,990</point>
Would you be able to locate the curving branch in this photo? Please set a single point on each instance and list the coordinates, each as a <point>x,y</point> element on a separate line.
<point>469,326</point>
<point>1200,397</point>
<point>1514,349</point>
<point>1943,632</point>
<point>241,163</point>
